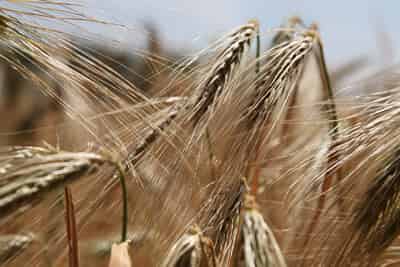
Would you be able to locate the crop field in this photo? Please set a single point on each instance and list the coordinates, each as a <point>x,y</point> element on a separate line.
<point>243,154</point>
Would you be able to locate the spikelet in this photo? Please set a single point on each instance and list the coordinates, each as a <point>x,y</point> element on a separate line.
<point>282,67</point>
<point>226,63</point>
<point>257,246</point>
<point>276,84</point>
<point>220,217</point>
<point>193,249</point>
<point>27,171</point>
<point>134,157</point>
<point>288,31</point>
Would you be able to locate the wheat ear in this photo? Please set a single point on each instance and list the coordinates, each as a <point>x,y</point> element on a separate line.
<point>193,249</point>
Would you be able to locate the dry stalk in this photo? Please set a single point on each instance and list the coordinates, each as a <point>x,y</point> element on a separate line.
<point>72,235</point>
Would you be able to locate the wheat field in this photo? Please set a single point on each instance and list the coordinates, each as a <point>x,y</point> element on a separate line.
<point>238,155</point>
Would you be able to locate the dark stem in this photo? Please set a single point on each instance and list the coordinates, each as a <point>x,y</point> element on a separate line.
<point>124,195</point>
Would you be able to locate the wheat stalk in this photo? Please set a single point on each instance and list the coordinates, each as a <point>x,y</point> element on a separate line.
<point>70,221</point>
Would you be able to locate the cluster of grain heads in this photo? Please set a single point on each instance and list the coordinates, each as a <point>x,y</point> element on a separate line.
<point>272,119</point>
<point>164,159</point>
<point>366,225</point>
<point>292,89</point>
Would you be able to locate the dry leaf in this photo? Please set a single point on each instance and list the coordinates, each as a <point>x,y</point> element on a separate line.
<point>120,255</point>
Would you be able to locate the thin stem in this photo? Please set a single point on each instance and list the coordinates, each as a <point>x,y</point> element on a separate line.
<point>124,195</point>
<point>73,259</point>
<point>258,51</point>
<point>124,198</point>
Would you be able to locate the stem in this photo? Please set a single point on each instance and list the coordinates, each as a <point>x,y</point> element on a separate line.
<point>124,195</point>
<point>258,51</point>
<point>73,254</point>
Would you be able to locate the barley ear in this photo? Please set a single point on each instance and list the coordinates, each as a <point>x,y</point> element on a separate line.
<point>257,246</point>
<point>374,223</point>
<point>226,63</point>
<point>193,249</point>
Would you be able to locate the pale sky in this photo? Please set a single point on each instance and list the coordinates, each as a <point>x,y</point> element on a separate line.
<point>349,28</point>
